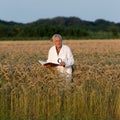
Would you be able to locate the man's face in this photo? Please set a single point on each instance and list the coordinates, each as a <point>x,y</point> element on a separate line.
<point>57,42</point>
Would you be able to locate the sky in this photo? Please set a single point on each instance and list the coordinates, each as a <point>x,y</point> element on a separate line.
<point>25,11</point>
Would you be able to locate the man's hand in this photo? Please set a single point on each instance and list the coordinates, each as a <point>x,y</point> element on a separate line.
<point>62,64</point>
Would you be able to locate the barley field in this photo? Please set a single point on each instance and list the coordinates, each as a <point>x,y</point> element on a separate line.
<point>29,91</point>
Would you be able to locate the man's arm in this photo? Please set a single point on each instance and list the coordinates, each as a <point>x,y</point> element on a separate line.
<point>70,59</point>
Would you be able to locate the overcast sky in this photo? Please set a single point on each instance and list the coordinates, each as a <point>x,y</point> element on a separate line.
<point>25,11</point>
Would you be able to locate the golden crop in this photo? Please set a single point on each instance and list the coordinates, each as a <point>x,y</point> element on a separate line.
<point>30,91</point>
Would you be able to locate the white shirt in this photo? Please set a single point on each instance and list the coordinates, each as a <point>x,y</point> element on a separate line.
<point>65,54</point>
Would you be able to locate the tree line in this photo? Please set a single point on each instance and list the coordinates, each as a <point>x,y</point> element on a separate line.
<point>68,27</point>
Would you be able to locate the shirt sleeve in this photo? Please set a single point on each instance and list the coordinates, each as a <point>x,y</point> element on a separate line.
<point>51,55</point>
<point>70,59</point>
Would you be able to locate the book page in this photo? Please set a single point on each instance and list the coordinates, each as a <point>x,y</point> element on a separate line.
<point>48,63</point>
<point>42,62</point>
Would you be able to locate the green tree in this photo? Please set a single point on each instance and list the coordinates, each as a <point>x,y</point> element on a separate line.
<point>114,30</point>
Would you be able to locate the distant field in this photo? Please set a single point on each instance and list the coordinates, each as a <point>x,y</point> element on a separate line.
<point>31,92</point>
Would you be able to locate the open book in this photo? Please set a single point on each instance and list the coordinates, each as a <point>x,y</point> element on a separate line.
<point>50,64</point>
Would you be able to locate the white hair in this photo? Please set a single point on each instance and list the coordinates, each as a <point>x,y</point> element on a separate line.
<point>56,35</point>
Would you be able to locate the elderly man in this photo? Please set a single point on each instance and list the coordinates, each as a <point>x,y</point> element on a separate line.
<point>61,54</point>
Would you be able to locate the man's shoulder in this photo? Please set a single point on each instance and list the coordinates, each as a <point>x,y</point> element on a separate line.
<point>52,47</point>
<point>66,47</point>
